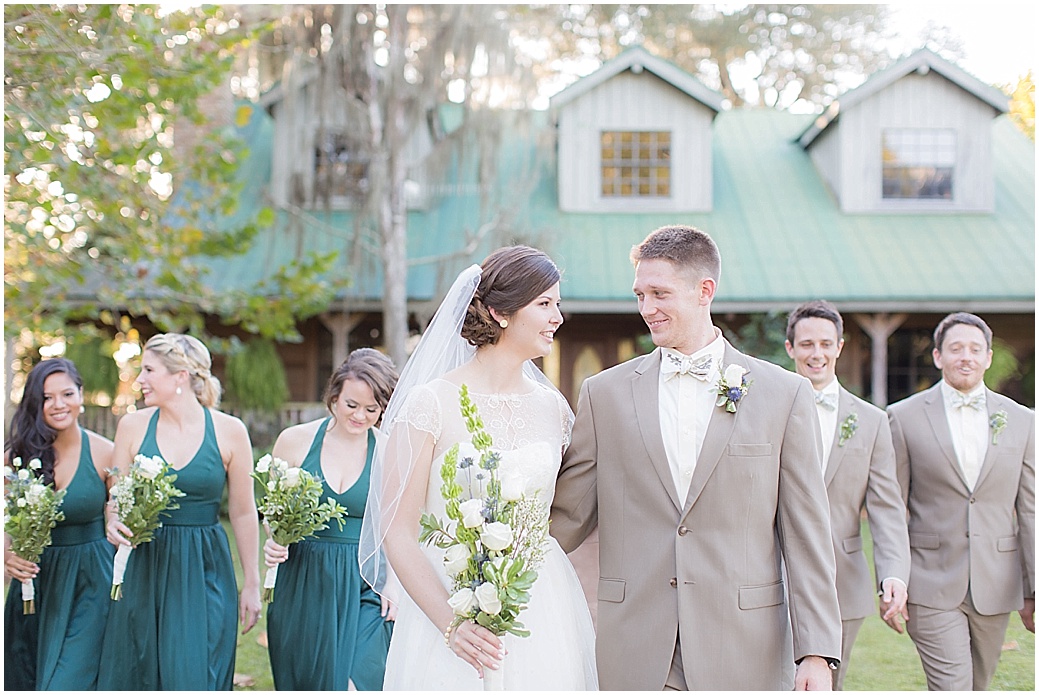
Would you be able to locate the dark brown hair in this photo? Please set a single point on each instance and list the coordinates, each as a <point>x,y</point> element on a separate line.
<point>512,277</point>
<point>816,309</point>
<point>966,319</point>
<point>31,436</point>
<point>687,247</point>
<point>366,365</point>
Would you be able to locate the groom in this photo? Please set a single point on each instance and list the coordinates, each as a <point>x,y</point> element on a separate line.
<point>714,539</point>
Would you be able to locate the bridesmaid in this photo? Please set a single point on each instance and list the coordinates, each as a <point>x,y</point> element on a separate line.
<point>174,628</point>
<point>57,647</point>
<point>321,598</point>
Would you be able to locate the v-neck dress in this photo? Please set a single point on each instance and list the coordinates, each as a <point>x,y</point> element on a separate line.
<point>174,628</point>
<point>324,627</point>
<point>57,648</point>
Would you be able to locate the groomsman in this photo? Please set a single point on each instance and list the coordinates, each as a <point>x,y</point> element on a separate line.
<point>859,471</point>
<point>965,457</point>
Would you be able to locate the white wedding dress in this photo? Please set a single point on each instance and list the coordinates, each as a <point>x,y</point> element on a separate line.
<point>530,431</point>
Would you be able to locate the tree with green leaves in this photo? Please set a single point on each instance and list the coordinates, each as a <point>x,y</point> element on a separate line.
<point>121,184</point>
<point>1022,105</point>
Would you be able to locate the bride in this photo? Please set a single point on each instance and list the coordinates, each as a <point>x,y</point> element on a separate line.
<point>494,320</point>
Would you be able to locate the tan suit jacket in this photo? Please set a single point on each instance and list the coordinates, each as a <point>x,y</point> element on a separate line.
<point>985,538</point>
<point>862,473</point>
<point>707,569</point>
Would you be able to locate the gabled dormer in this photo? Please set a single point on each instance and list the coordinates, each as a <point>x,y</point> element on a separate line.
<point>322,148</point>
<point>635,136</point>
<point>916,137</point>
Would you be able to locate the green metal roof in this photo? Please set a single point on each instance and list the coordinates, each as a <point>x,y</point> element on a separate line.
<point>782,235</point>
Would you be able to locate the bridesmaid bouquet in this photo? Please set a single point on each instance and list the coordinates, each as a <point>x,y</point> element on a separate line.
<point>31,510</point>
<point>494,544</point>
<point>141,496</point>
<point>292,507</point>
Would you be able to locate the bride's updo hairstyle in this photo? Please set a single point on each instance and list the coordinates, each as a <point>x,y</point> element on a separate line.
<point>184,353</point>
<point>511,278</point>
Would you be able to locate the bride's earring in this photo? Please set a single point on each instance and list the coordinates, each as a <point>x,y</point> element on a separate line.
<point>504,323</point>
<point>179,391</point>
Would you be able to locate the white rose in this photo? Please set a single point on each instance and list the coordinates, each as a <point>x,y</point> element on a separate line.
<point>733,375</point>
<point>264,464</point>
<point>456,559</point>
<point>487,597</point>
<point>462,602</point>
<point>35,464</point>
<point>23,474</point>
<point>496,536</point>
<point>21,502</point>
<point>291,478</point>
<point>513,486</point>
<point>272,485</point>
<point>34,494</point>
<point>472,512</point>
<point>8,471</point>
<point>17,462</point>
<point>149,467</point>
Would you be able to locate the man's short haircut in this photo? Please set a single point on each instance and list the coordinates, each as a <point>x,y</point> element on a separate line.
<point>819,309</point>
<point>967,320</point>
<point>687,247</point>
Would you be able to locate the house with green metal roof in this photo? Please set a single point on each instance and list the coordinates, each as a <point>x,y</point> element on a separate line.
<point>910,197</point>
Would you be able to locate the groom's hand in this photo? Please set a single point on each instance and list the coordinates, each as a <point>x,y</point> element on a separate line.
<point>813,673</point>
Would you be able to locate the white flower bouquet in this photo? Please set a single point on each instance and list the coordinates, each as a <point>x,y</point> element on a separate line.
<point>31,510</point>
<point>292,507</point>
<point>141,496</point>
<point>493,544</point>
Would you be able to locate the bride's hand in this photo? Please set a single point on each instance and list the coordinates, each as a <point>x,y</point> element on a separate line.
<point>477,645</point>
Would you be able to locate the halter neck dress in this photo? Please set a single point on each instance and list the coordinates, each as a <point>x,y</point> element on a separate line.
<point>57,648</point>
<point>324,627</point>
<point>174,628</point>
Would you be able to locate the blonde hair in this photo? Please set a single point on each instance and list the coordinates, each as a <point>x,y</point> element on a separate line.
<point>184,353</point>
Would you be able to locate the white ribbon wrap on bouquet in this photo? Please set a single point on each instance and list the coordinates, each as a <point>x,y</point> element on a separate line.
<point>494,679</point>
<point>271,577</point>
<point>28,590</point>
<point>122,556</point>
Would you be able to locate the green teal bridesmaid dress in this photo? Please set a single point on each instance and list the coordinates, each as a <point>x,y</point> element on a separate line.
<point>324,627</point>
<point>58,647</point>
<point>174,628</point>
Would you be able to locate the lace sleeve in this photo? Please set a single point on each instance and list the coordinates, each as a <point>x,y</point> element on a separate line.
<point>421,411</point>
<point>566,418</point>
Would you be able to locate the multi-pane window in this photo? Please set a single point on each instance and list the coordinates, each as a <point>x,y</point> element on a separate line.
<point>918,163</point>
<point>635,164</point>
<point>340,172</point>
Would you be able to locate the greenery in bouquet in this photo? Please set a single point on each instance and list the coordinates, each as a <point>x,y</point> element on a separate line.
<point>292,507</point>
<point>495,534</point>
<point>141,497</point>
<point>31,510</point>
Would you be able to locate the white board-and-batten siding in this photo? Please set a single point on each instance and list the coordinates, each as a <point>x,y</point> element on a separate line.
<point>849,154</point>
<point>630,102</point>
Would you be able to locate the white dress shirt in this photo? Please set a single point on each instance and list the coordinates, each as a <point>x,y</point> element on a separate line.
<point>685,407</point>
<point>828,417</point>
<point>969,428</point>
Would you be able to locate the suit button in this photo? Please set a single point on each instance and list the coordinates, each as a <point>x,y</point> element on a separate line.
<point>682,530</point>
<point>674,582</point>
<point>972,500</point>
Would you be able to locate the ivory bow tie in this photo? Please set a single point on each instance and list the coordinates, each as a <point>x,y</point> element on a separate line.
<point>673,365</point>
<point>826,400</point>
<point>977,401</point>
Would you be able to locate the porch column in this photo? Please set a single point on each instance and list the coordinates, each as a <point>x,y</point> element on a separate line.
<point>339,324</point>
<point>879,328</point>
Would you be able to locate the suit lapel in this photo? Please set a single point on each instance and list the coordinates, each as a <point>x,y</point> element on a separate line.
<point>719,431</point>
<point>991,406</point>
<point>645,392</point>
<point>934,407</point>
<point>845,406</point>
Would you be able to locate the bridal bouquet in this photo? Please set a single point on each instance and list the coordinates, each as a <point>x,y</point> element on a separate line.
<point>141,496</point>
<point>31,510</point>
<point>494,543</point>
<point>292,507</point>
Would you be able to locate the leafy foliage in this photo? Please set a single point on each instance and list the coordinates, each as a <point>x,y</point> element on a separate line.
<point>92,355</point>
<point>255,376</point>
<point>32,509</point>
<point>145,494</point>
<point>1022,105</point>
<point>121,182</point>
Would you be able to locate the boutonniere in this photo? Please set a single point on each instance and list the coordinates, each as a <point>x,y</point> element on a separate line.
<point>848,428</point>
<point>998,423</point>
<point>732,387</point>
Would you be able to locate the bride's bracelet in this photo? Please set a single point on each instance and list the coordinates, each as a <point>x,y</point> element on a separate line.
<point>448,632</point>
